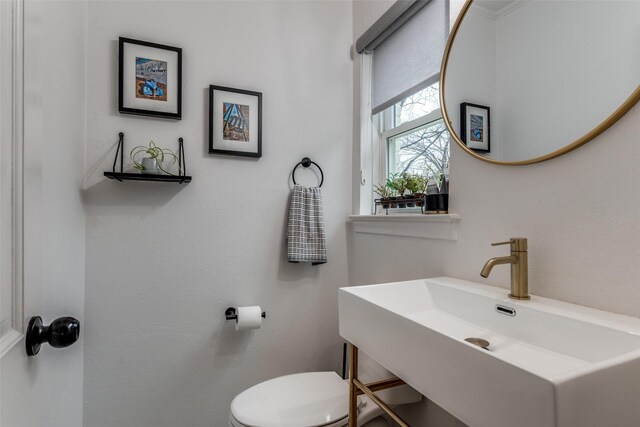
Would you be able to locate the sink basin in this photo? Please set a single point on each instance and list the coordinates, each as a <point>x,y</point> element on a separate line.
<point>548,363</point>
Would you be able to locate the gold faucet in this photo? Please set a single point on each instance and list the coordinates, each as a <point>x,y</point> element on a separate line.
<point>519,266</point>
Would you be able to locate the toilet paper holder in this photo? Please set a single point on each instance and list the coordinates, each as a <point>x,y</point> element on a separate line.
<point>231,314</point>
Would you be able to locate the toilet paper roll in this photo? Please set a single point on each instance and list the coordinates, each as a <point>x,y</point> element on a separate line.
<point>248,318</point>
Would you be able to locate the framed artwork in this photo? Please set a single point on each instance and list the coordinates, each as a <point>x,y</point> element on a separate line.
<point>235,122</point>
<point>475,129</point>
<point>149,79</point>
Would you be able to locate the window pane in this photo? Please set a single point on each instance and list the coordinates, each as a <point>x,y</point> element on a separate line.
<point>417,105</point>
<point>423,150</point>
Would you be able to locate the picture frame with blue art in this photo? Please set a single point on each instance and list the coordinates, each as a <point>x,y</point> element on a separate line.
<point>235,122</point>
<point>149,79</point>
<point>475,126</point>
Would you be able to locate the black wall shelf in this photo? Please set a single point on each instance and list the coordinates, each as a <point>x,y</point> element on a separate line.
<point>146,177</point>
<point>128,176</point>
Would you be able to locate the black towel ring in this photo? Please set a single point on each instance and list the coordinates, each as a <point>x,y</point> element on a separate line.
<point>306,162</point>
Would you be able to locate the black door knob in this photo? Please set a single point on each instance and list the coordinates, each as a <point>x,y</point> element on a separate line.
<point>61,333</point>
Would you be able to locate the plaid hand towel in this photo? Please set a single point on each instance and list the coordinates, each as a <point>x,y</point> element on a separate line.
<point>306,240</point>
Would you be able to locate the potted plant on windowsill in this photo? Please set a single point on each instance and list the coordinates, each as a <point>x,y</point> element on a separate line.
<point>393,198</point>
<point>385,193</point>
<point>415,186</point>
<point>398,182</point>
<point>153,163</point>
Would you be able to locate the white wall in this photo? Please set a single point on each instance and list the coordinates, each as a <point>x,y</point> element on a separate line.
<point>579,211</point>
<point>46,390</point>
<point>164,260</point>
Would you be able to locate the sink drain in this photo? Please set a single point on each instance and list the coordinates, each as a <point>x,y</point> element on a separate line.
<point>478,341</point>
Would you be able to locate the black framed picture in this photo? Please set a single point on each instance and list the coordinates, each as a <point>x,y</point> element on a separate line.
<point>149,79</point>
<point>235,121</point>
<point>475,130</point>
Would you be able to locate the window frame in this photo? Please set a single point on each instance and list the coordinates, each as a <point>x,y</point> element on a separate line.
<point>374,132</point>
<point>372,143</point>
<point>383,130</point>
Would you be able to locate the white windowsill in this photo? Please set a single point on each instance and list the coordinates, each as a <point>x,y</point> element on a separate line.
<point>438,226</point>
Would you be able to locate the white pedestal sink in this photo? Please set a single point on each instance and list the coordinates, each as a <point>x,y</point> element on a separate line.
<point>549,364</point>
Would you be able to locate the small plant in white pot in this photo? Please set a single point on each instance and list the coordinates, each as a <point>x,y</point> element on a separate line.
<point>153,163</point>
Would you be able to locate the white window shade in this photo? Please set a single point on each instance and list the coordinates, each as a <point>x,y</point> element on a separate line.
<point>409,59</point>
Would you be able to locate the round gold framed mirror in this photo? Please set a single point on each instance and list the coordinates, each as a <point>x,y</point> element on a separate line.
<point>524,81</point>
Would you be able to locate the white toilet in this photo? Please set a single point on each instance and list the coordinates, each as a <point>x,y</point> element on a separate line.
<point>310,399</point>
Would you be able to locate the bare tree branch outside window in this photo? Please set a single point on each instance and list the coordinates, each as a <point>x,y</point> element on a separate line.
<point>417,105</point>
<point>424,150</point>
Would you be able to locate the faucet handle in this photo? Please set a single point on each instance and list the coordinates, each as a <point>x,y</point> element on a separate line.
<point>518,244</point>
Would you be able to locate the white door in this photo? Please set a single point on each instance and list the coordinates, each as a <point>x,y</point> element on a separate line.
<point>11,161</point>
<point>45,390</point>
<point>13,365</point>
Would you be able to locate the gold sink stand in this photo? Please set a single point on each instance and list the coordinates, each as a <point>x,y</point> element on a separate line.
<point>356,388</point>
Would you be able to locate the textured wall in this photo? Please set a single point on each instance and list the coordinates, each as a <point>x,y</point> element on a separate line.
<point>164,261</point>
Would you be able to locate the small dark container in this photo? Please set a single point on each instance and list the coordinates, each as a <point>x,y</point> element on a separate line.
<point>411,201</point>
<point>437,203</point>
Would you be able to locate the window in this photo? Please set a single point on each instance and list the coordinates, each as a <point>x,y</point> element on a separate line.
<point>414,136</point>
<point>401,126</point>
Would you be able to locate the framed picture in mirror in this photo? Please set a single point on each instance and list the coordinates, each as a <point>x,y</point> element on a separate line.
<point>475,126</point>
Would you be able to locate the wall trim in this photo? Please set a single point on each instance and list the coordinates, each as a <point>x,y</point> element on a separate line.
<point>497,15</point>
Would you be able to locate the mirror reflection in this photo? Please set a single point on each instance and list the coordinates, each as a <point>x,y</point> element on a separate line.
<point>529,79</point>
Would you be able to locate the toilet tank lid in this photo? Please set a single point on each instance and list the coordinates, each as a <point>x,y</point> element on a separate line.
<point>309,399</point>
